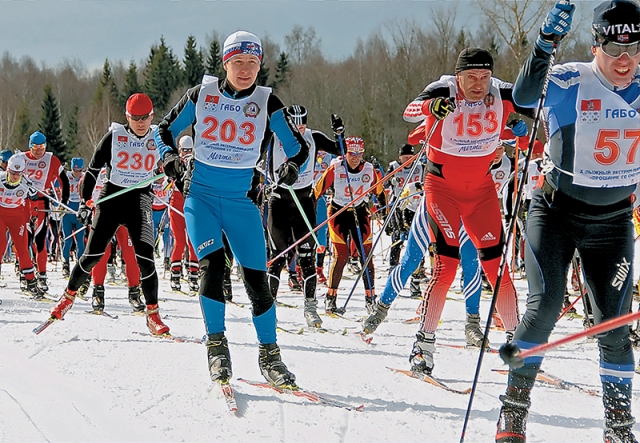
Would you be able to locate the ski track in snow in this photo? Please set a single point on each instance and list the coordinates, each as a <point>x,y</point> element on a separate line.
<point>88,378</point>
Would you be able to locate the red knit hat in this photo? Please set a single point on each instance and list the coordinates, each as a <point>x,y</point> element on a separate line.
<point>139,104</point>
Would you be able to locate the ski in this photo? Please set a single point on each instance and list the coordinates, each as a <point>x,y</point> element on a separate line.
<point>44,325</point>
<point>229,396</point>
<point>552,380</point>
<point>103,313</point>
<point>46,298</point>
<point>168,336</point>
<point>431,380</point>
<point>290,331</point>
<point>285,305</point>
<point>308,395</point>
<point>411,321</point>
<point>240,305</point>
<point>364,337</point>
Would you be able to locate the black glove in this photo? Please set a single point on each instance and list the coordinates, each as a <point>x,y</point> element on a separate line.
<point>441,107</point>
<point>288,173</point>
<point>32,194</point>
<point>337,124</point>
<point>173,165</point>
<point>84,214</point>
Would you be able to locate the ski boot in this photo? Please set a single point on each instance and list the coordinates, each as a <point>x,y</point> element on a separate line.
<point>134,299</point>
<point>84,288</point>
<point>512,422</point>
<point>175,280</point>
<point>97,298</point>
<point>167,264</point>
<point>272,367</point>
<point>320,274</point>
<point>227,290</point>
<point>33,289</point>
<point>219,358</point>
<point>16,268</point>
<point>193,281</point>
<point>566,303</point>
<point>42,281</point>
<point>154,322</point>
<point>369,301</point>
<point>330,303</point>
<point>414,288</point>
<point>63,306</point>
<point>371,323</point>
<point>294,284</point>
<point>354,266</point>
<point>618,427</point>
<point>65,270</point>
<point>421,357</point>
<point>311,313</point>
<point>472,332</point>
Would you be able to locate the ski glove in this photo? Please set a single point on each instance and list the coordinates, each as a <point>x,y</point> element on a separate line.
<point>32,194</point>
<point>288,173</point>
<point>441,107</point>
<point>254,195</point>
<point>519,128</point>
<point>558,21</point>
<point>173,165</point>
<point>337,124</point>
<point>84,214</point>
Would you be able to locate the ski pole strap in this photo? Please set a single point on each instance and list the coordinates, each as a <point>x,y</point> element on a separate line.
<point>141,184</point>
<point>304,216</point>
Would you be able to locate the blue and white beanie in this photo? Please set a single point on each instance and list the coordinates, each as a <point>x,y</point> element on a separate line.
<point>241,42</point>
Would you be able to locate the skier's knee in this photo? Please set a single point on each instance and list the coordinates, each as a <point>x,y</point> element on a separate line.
<point>212,267</point>
<point>255,282</point>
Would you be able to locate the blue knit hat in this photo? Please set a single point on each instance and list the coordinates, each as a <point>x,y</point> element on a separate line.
<point>77,163</point>
<point>37,138</point>
<point>5,155</point>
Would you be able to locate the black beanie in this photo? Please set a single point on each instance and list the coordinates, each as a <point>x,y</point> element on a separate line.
<point>406,149</point>
<point>474,58</point>
<point>617,21</point>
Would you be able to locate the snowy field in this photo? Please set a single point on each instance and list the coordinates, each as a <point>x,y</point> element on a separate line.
<point>90,378</point>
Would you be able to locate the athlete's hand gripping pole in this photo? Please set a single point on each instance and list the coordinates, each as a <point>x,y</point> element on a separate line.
<point>557,36</point>
<point>423,149</point>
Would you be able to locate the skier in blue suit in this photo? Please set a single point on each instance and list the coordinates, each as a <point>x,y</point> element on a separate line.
<point>233,121</point>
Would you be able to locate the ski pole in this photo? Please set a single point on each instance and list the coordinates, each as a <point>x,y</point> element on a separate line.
<point>514,357</point>
<point>391,211</point>
<point>141,184</point>
<point>172,208</point>
<point>304,216</point>
<point>588,314</point>
<point>74,233</point>
<point>568,308</point>
<point>510,231</point>
<point>361,239</point>
<point>344,208</point>
<point>57,202</point>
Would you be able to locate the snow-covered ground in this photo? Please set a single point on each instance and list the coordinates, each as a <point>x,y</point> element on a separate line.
<point>90,378</point>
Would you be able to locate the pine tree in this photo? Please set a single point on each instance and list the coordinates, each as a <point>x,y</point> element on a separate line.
<point>131,84</point>
<point>282,71</point>
<point>162,76</point>
<point>72,130</point>
<point>213,64</point>
<point>109,84</point>
<point>263,75</point>
<point>193,63</point>
<point>50,125</point>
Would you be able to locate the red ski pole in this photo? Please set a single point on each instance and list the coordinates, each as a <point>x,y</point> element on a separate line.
<point>514,357</point>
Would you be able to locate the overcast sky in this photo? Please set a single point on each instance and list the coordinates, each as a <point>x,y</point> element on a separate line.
<point>91,30</point>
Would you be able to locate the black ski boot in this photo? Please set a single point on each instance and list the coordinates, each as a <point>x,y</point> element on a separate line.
<point>421,357</point>
<point>34,289</point>
<point>97,298</point>
<point>65,270</point>
<point>175,280</point>
<point>330,304</point>
<point>369,301</point>
<point>618,427</point>
<point>219,358</point>
<point>512,422</point>
<point>23,283</point>
<point>414,288</point>
<point>42,281</point>
<point>272,367</point>
<point>134,299</point>
<point>82,290</point>
<point>294,284</point>
<point>193,281</point>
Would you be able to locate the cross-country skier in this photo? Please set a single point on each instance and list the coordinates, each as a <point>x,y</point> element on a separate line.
<point>43,169</point>
<point>233,122</point>
<point>286,224</point>
<point>130,154</point>
<point>70,222</point>
<point>470,110</point>
<point>591,112</point>
<point>361,176</point>
<point>14,192</point>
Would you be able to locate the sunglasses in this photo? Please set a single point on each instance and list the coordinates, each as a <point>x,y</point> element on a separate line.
<point>137,118</point>
<point>355,154</point>
<point>616,50</point>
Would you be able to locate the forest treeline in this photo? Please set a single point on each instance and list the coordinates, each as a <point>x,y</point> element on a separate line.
<point>369,89</point>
